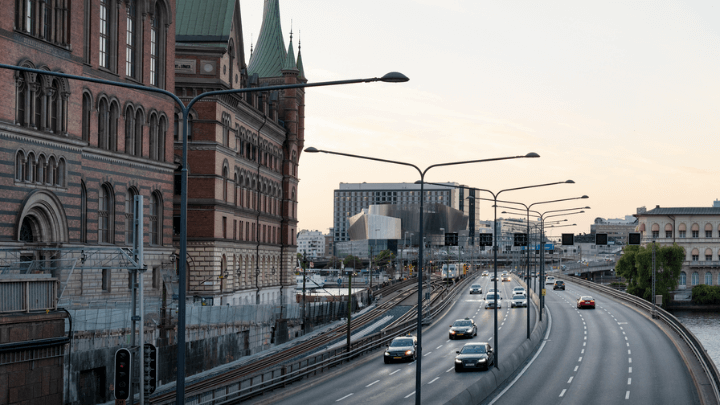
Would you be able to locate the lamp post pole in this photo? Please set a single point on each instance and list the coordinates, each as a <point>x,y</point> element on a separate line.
<point>418,369</point>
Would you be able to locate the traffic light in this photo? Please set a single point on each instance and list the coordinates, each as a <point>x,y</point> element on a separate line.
<point>451,239</point>
<point>123,372</point>
<point>520,239</point>
<point>568,239</point>
<point>150,368</point>
<point>634,238</point>
<point>601,239</point>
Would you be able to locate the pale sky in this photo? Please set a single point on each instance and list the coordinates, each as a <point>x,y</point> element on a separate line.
<point>620,96</point>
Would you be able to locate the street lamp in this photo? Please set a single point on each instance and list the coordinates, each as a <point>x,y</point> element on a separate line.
<point>422,173</point>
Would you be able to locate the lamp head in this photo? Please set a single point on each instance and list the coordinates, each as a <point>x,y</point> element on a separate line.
<point>394,77</point>
<point>570,182</point>
<point>311,149</point>
<point>587,208</point>
<point>532,155</point>
<point>584,196</point>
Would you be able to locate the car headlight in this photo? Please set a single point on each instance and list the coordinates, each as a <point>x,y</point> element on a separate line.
<point>387,353</point>
<point>409,352</point>
<point>482,360</point>
<point>458,361</point>
<point>452,331</point>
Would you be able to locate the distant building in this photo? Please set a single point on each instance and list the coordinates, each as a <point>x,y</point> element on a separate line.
<point>311,243</point>
<point>695,229</point>
<point>616,229</point>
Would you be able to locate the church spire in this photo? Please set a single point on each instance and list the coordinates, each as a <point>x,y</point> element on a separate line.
<point>290,60</point>
<point>299,60</point>
<point>270,55</point>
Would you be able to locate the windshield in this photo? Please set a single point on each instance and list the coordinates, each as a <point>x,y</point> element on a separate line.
<point>519,297</point>
<point>586,298</point>
<point>462,323</point>
<point>472,349</point>
<point>491,296</point>
<point>518,289</point>
<point>401,343</point>
<point>475,286</point>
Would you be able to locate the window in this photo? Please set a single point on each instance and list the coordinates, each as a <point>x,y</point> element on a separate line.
<point>129,214</point>
<point>668,234</point>
<point>104,37</point>
<point>224,227</point>
<point>83,212</point>
<point>157,46</point>
<point>695,234</point>
<point>105,284</point>
<point>155,219</point>
<point>86,111</point>
<point>708,278</point>
<point>106,214</point>
<point>39,106</point>
<point>226,129</point>
<point>153,136</point>
<point>162,134</point>
<point>695,258</point>
<point>107,125</point>
<point>131,41</point>
<point>225,183</point>
<point>44,19</point>
<point>138,133</point>
<point>130,131</point>
<point>682,234</point>
<point>683,278</point>
<point>655,234</point>
<point>695,278</point>
<point>708,234</point>
<point>20,166</point>
<point>708,258</point>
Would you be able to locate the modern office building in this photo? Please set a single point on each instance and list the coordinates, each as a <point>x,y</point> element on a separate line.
<point>617,229</point>
<point>696,230</point>
<point>311,243</point>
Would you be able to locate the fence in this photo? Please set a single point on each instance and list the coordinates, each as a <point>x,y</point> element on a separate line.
<point>25,294</point>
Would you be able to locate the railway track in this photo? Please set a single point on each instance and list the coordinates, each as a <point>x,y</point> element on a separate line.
<point>406,289</point>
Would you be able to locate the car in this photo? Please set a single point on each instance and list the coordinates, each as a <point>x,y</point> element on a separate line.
<point>474,356</point>
<point>518,301</point>
<point>550,280</point>
<point>493,278</point>
<point>506,277</point>
<point>519,291</point>
<point>402,348</point>
<point>463,328</point>
<point>476,289</point>
<point>492,290</point>
<point>485,273</point>
<point>559,285</point>
<point>491,299</point>
<point>586,301</point>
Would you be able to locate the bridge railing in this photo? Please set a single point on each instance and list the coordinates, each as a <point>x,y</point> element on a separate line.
<point>690,339</point>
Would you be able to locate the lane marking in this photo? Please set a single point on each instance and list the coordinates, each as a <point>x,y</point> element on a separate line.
<point>582,351</point>
<point>629,381</point>
<point>570,380</point>
<point>626,338</point>
<point>338,400</point>
<point>576,367</point>
<point>584,343</point>
<point>450,369</point>
<point>434,379</point>
<point>629,351</point>
<point>580,359</point>
<point>428,353</point>
<point>628,344</point>
<point>627,395</point>
<point>374,382</point>
<point>394,371</point>
<point>629,359</point>
<point>629,369</point>
<point>563,392</point>
<point>438,347</point>
<point>409,395</point>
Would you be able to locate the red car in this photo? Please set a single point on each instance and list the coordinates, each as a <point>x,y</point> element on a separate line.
<point>586,301</point>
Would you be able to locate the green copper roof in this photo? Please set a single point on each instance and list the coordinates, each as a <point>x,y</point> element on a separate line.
<point>203,20</point>
<point>300,64</point>
<point>290,60</point>
<point>269,56</point>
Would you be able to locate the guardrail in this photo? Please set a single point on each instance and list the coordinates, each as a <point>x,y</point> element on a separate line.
<point>692,341</point>
<point>279,377</point>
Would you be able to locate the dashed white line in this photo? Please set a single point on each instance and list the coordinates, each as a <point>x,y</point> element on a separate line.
<point>394,371</point>
<point>338,400</point>
<point>629,381</point>
<point>426,354</point>
<point>450,369</point>
<point>582,351</point>
<point>570,380</point>
<point>563,392</point>
<point>629,359</point>
<point>434,379</point>
<point>410,394</point>
<point>629,351</point>
<point>629,369</point>
<point>627,395</point>
<point>438,347</point>
<point>576,367</point>
<point>628,344</point>
<point>580,359</point>
<point>584,343</point>
<point>372,383</point>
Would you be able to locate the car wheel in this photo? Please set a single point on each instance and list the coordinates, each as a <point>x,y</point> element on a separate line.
<point>450,337</point>
<point>386,361</point>
<point>458,369</point>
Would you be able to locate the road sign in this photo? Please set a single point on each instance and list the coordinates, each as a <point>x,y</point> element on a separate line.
<point>339,281</point>
<point>601,239</point>
<point>634,238</point>
<point>543,292</point>
<point>451,239</point>
<point>520,239</point>
<point>485,239</point>
<point>568,239</point>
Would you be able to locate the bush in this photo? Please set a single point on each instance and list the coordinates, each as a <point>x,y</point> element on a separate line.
<point>617,284</point>
<point>706,294</point>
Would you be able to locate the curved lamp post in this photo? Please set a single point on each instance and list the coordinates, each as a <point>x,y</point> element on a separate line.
<point>422,173</point>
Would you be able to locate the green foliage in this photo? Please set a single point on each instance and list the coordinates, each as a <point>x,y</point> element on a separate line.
<point>383,258</point>
<point>352,262</point>
<point>703,294</point>
<point>635,266</point>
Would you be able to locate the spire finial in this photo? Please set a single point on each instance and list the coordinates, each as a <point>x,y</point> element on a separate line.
<point>299,39</point>
<point>291,34</point>
<point>251,44</point>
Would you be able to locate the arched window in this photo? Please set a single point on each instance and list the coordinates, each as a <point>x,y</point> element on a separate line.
<point>44,19</point>
<point>106,214</point>
<point>49,178</point>
<point>155,219</point>
<point>695,278</point>
<point>157,46</point>
<point>86,111</point>
<point>30,168</point>
<point>20,166</point>
<point>162,134</point>
<point>139,119</point>
<point>54,107</point>
<point>83,212</point>
<point>103,117</point>
<point>21,97</point>
<point>226,129</point>
<point>131,42</point>
<point>153,136</point>
<point>683,278</point>
<point>113,126</point>
<point>225,183</point>
<point>129,131</point>
<point>235,190</point>
<point>708,278</point>
<point>60,173</point>
<point>129,214</point>
<point>37,103</point>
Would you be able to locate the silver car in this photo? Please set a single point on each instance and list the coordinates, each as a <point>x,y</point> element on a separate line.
<point>476,289</point>
<point>518,301</point>
<point>492,299</point>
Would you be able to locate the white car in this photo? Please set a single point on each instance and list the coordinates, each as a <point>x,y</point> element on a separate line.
<point>518,301</point>
<point>550,280</point>
<point>519,291</point>
<point>491,299</point>
<point>476,289</point>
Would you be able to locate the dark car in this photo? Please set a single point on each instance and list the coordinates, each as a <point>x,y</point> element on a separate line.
<point>474,355</point>
<point>402,348</point>
<point>493,278</point>
<point>559,285</point>
<point>463,328</point>
<point>586,301</point>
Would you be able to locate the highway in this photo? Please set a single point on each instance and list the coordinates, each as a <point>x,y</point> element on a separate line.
<point>372,381</point>
<point>608,355</point>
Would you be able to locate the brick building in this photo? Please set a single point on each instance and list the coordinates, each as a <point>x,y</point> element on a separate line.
<point>74,154</point>
<point>243,154</point>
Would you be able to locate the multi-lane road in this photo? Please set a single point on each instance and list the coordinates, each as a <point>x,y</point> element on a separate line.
<point>608,355</point>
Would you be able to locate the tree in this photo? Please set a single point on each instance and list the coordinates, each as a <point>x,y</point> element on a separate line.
<point>384,258</point>
<point>635,266</point>
<point>353,262</point>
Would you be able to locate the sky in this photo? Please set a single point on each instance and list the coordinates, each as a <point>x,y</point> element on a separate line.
<point>621,97</point>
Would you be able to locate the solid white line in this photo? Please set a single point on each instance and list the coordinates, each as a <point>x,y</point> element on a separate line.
<point>428,353</point>
<point>542,345</point>
<point>629,369</point>
<point>627,395</point>
<point>576,367</point>
<point>409,395</point>
<point>338,400</point>
<point>434,379</point>
<point>563,392</point>
<point>629,381</point>
<point>570,380</point>
<point>394,371</point>
<point>374,382</point>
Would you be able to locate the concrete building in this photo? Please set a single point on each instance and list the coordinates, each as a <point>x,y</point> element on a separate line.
<point>311,243</point>
<point>616,229</point>
<point>695,229</point>
<point>243,154</point>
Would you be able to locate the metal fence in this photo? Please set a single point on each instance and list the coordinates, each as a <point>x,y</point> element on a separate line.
<point>27,294</point>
